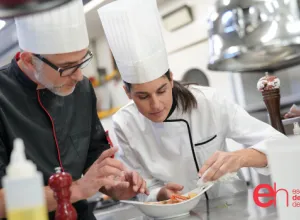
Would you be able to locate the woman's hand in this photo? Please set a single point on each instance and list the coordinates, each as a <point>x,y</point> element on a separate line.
<point>168,190</point>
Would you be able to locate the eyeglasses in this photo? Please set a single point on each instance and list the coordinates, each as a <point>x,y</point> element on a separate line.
<point>69,70</point>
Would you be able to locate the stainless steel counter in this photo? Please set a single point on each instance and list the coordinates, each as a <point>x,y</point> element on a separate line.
<point>238,207</point>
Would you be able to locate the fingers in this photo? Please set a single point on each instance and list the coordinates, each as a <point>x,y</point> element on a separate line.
<point>117,180</point>
<point>123,185</point>
<point>208,164</point>
<point>138,183</point>
<point>172,192</point>
<point>220,164</point>
<point>147,192</point>
<point>107,154</point>
<point>174,187</point>
<point>213,169</point>
<point>135,177</point>
<point>107,170</point>
<point>168,190</point>
<point>112,163</point>
<point>144,187</point>
<point>110,167</point>
<point>221,172</point>
<point>108,187</point>
<point>108,183</point>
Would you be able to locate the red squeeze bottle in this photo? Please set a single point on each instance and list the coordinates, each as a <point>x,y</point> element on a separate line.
<point>109,141</point>
<point>60,183</point>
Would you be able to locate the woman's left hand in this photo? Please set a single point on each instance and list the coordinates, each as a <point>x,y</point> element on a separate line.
<point>220,164</point>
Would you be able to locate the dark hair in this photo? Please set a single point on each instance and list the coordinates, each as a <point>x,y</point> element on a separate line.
<point>181,94</point>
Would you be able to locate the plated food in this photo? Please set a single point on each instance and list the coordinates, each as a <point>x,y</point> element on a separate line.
<point>175,199</point>
<point>176,206</point>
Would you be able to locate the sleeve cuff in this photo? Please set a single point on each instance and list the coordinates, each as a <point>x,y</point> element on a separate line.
<point>151,198</point>
<point>262,170</point>
<point>153,195</point>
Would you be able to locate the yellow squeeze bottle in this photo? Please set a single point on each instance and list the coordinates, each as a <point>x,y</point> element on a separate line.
<point>23,187</point>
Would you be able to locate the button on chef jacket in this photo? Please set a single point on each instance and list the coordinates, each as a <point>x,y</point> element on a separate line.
<point>80,135</point>
<point>161,152</point>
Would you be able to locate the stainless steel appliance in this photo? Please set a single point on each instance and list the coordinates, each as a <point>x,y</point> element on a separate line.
<point>254,35</point>
<point>12,8</point>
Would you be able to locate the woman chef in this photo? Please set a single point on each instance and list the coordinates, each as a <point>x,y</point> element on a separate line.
<point>171,133</point>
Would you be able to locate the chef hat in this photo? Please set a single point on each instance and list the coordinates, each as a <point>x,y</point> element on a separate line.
<point>133,31</point>
<point>60,30</point>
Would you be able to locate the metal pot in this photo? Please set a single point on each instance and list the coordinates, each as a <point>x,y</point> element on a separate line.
<point>254,35</point>
<point>13,8</point>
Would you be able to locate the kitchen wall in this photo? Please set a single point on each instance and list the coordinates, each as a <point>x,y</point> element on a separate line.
<point>111,94</point>
<point>104,58</point>
<point>191,33</point>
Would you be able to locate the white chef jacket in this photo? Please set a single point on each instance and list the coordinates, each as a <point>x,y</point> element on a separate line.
<point>161,152</point>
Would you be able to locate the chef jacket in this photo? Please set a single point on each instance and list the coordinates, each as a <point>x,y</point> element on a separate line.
<point>37,116</point>
<point>162,152</point>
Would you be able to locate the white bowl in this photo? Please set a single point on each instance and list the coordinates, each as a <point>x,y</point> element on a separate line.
<point>166,211</point>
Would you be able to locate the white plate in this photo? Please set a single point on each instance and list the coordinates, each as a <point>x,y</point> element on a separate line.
<point>166,211</point>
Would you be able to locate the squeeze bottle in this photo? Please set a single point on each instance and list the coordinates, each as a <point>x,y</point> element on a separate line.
<point>23,187</point>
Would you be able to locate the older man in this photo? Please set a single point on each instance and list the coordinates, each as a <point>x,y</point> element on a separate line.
<point>46,101</point>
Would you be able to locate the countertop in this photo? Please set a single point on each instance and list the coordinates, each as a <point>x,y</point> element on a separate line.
<point>237,207</point>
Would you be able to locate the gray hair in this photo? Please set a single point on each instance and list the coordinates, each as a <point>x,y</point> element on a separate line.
<point>38,64</point>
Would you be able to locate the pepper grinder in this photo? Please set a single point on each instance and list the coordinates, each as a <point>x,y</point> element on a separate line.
<point>269,86</point>
<point>60,183</point>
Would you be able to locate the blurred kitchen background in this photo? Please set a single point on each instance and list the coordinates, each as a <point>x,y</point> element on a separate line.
<point>186,32</point>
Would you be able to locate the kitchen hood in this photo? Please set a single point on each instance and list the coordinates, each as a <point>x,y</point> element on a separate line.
<point>254,35</point>
<point>9,28</point>
<point>13,8</point>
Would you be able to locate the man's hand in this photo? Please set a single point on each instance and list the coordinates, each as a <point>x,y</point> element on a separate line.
<point>168,190</point>
<point>97,175</point>
<point>220,164</point>
<point>131,184</point>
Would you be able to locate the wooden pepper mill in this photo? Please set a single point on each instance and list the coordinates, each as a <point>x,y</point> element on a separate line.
<point>60,183</point>
<point>269,86</point>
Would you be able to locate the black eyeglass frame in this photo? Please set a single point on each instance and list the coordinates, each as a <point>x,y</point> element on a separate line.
<point>61,70</point>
